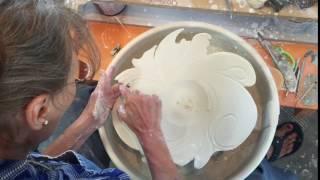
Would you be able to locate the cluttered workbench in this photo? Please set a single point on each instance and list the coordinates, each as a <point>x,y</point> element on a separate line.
<point>252,7</point>
<point>111,37</point>
<point>302,96</point>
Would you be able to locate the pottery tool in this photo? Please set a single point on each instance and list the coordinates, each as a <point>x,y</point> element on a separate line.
<point>282,62</point>
<point>308,53</point>
<point>315,59</point>
<point>286,55</point>
<point>230,7</point>
<point>309,101</point>
<point>301,71</point>
<point>309,96</point>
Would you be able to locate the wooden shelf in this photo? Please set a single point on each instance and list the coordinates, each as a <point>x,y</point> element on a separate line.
<point>239,7</point>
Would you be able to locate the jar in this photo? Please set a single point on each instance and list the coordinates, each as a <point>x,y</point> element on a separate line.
<point>109,7</point>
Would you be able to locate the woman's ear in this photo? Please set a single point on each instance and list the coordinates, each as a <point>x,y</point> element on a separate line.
<point>36,112</point>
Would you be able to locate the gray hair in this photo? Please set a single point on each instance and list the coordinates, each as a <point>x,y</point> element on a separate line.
<point>37,42</point>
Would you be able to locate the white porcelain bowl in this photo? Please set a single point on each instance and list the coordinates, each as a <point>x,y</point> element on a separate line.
<point>235,164</point>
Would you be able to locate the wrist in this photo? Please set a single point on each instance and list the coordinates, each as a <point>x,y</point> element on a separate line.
<point>91,104</point>
<point>95,112</point>
<point>150,137</point>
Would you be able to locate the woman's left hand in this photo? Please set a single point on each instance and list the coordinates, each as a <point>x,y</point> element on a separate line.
<point>103,97</point>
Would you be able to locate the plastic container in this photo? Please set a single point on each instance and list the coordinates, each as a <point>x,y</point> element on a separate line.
<point>109,7</point>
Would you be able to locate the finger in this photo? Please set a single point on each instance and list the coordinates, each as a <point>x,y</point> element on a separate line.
<point>145,99</point>
<point>155,98</point>
<point>131,111</point>
<point>293,136</point>
<point>124,91</point>
<point>289,127</point>
<point>136,92</point>
<point>115,89</point>
<point>110,72</point>
<point>289,148</point>
<point>116,95</point>
<point>159,105</point>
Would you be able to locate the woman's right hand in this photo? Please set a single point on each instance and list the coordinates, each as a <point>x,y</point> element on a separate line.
<point>142,113</point>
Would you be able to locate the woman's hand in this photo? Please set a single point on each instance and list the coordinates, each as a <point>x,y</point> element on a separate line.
<point>142,113</point>
<point>94,115</point>
<point>103,97</point>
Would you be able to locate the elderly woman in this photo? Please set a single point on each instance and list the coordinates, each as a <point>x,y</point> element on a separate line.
<point>40,42</point>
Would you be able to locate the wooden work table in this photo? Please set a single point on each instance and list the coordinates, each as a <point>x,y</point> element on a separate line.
<point>107,36</point>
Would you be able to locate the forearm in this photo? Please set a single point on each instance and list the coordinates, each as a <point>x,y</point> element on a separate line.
<point>73,137</point>
<point>76,134</point>
<point>159,159</point>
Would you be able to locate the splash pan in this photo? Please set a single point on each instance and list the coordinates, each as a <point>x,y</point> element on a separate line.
<point>219,84</point>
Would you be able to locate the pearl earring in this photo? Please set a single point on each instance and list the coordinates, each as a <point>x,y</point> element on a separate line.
<point>46,122</point>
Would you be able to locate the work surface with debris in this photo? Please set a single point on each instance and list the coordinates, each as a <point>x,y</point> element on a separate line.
<point>236,6</point>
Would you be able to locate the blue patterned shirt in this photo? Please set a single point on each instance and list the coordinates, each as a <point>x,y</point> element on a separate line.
<point>69,165</point>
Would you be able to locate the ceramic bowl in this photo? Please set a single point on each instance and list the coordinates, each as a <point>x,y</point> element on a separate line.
<point>241,161</point>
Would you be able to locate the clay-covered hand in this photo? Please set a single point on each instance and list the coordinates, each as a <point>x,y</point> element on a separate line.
<point>142,113</point>
<point>104,96</point>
